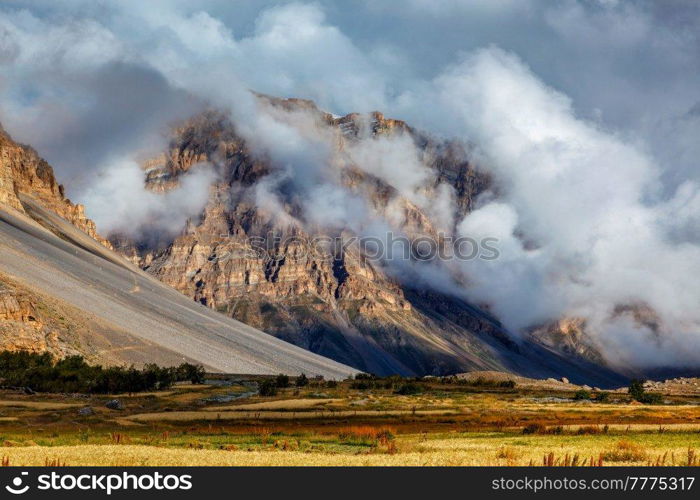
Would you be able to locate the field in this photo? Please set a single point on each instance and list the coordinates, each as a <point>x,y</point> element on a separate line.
<point>227,422</point>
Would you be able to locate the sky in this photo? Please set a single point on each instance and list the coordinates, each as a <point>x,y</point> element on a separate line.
<point>586,112</point>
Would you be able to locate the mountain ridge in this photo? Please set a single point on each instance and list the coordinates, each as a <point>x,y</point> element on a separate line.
<point>348,309</point>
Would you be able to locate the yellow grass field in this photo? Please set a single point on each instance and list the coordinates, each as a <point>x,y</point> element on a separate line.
<point>411,451</point>
<point>345,424</point>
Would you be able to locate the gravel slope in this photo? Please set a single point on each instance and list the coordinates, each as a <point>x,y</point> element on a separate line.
<point>76,269</point>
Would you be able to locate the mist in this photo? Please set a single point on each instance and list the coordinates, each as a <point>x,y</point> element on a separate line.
<point>584,113</point>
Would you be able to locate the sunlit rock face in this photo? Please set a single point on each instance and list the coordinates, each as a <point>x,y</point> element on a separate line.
<point>257,261</point>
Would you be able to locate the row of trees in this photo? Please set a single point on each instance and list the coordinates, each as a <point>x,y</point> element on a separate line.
<point>42,373</point>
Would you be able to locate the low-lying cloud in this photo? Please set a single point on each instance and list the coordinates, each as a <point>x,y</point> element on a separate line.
<point>597,197</point>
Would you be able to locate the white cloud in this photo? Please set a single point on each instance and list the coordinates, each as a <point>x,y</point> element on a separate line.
<point>589,213</point>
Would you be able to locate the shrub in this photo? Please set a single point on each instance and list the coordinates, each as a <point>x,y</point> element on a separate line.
<point>651,398</point>
<point>636,389</point>
<point>331,384</point>
<point>267,387</point>
<point>361,385</point>
<point>582,395</point>
<point>602,397</point>
<point>409,389</point>
<point>591,429</point>
<point>302,380</point>
<point>535,428</point>
<point>282,381</point>
<point>193,373</point>
<point>42,373</point>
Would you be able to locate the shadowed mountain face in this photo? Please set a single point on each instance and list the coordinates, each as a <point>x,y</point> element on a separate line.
<point>63,291</point>
<point>259,261</point>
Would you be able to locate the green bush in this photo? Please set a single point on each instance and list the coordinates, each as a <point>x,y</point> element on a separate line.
<point>362,385</point>
<point>302,380</point>
<point>602,397</point>
<point>42,373</point>
<point>582,395</point>
<point>636,389</point>
<point>409,389</point>
<point>267,387</point>
<point>282,381</point>
<point>651,398</point>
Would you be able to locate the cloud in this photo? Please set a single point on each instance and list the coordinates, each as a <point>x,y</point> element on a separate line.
<point>582,111</point>
<point>580,224</point>
<point>119,201</point>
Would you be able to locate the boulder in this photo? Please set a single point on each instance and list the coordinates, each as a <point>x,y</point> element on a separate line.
<point>86,411</point>
<point>115,404</point>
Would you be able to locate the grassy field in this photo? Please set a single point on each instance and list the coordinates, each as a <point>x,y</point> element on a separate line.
<point>442,424</point>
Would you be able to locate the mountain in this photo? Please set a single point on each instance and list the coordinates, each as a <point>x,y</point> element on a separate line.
<point>260,265</point>
<point>64,290</point>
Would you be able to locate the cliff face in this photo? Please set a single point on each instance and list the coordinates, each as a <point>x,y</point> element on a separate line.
<point>26,321</point>
<point>264,270</point>
<point>24,325</point>
<point>24,173</point>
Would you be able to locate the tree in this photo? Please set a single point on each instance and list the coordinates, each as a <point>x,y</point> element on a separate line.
<point>282,381</point>
<point>302,380</point>
<point>267,388</point>
<point>582,395</point>
<point>636,389</point>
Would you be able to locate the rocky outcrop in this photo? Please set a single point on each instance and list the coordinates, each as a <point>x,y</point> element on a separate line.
<point>264,268</point>
<point>569,337</point>
<point>24,173</point>
<point>21,324</point>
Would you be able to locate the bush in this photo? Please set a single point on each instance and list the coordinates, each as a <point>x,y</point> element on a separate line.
<point>602,397</point>
<point>535,428</point>
<point>651,398</point>
<point>582,395</point>
<point>409,389</point>
<point>267,387</point>
<point>636,389</point>
<point>331,384</point>
<point>302,380</point>
<point>193,373</point>
<point>282,381</point>
<point>362,385</point>
<point>42,373</point>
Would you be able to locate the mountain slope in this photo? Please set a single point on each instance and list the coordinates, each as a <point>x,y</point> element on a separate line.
<point>66,289</point>
<point>263,268</point>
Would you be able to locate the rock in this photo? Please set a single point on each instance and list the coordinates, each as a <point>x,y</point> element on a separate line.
<point>551,380</point>
<point>565,380</point>
<point>23,171</point>
<point>86,411</point>
<point>115,404</point>
<point>28,390</point>
<point>586,387</point>
<point>243,260</point>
